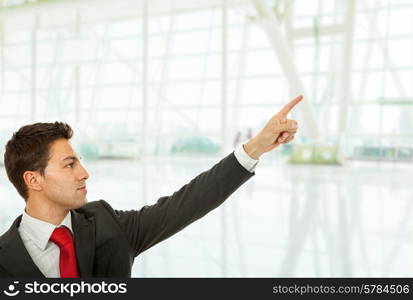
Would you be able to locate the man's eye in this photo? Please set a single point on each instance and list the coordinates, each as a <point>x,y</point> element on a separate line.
<point>69,165</point>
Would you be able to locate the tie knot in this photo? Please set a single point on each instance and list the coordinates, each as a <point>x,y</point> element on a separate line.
<point>61,236</point>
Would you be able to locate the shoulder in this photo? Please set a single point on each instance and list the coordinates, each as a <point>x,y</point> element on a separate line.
<point>11,232</point>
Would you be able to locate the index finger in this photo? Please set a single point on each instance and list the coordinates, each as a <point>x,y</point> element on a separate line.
<point>287,108</point>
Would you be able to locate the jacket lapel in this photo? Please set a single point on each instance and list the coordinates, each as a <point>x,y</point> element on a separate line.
<point>14,256</point>
<point>84,233</point>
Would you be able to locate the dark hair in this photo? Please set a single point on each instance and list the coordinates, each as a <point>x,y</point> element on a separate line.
<point>28,150</point>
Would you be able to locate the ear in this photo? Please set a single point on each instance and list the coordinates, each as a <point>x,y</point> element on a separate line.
<point>33,180</point>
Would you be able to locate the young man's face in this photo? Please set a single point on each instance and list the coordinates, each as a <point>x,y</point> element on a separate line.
<point>64,181</point>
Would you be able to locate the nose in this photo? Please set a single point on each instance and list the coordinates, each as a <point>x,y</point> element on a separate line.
<point>83,174</point>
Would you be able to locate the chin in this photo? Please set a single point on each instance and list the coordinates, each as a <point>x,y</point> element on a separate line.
<point>79,203</point>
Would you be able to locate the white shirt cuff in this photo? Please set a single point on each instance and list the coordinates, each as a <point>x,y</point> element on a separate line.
<point>244,159</point>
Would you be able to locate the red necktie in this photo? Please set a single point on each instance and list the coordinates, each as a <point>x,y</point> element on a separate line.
<point>62,237</point>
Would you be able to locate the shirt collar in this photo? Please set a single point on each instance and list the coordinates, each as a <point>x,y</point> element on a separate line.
<point>40,231</point>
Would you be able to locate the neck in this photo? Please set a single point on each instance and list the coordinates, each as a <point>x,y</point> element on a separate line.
<point>46,211</point>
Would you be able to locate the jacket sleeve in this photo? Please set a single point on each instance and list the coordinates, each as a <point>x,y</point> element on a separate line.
<point>152,224</point>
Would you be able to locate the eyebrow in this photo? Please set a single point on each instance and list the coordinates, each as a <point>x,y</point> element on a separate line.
<point>71,157</point>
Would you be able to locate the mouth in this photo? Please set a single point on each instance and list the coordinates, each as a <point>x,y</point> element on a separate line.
<point>82,189</point>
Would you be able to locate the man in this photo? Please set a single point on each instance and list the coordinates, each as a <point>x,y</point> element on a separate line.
<point>60,234</point>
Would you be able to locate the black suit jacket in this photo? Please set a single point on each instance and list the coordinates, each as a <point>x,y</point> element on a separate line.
<point>108,240</point>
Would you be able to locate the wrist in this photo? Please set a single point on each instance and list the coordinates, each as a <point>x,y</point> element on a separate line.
<point>253,149</point>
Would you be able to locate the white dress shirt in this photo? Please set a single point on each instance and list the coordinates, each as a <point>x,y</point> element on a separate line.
<point>35,235</point>
<point>45,254</point>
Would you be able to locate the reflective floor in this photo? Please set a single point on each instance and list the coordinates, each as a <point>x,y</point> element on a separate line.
<point>288,220</point>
